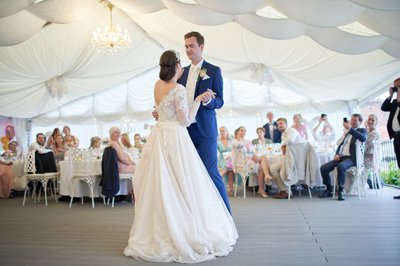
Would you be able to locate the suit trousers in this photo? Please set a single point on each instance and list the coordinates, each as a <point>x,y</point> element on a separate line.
<point>275,170</point>
<point>342,165</point>
<point>396,144</point>
<point>207,149</point>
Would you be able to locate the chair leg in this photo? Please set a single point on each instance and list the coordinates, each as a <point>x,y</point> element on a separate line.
<point>71,195</point>
<point>236,184</point>
<point>244,186</point>
<point>112,204</point>
<point>309,192</point>
<point>26,189</point>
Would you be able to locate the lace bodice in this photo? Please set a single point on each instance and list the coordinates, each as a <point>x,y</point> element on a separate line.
<point>174,107</point>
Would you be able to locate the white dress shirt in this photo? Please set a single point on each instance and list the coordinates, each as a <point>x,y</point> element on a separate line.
<point>395,121</point>
<point>37,147</point>
<point>291,135</point>
<point>193,75</point>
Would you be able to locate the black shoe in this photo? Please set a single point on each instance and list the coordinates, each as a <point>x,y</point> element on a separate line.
<point>325,194</point>
<point>396,197</point>
<point>340,195</point>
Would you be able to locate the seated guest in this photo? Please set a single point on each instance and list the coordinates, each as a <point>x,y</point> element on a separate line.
<point>44,158</point>
<point>13,153</point>
<point>52,137</point>
<point>71,140</point>
<point>126,143</point>
<point>240,142</point>
<point>345,156</point>
<point>289,136</point>
<point>59,148</point>
<point>224,147</point>
<point>138,144</point>
<point>271,130</point>
<point>125,163</point>
<point>326,136</point>
<point>299,126</point>
<point>261,140</point>
<point>373,139</point>
<point>95,146</point>
<point>6,179</point>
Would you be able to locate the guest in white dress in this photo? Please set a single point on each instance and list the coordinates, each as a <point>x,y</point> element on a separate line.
<point>173,218</point>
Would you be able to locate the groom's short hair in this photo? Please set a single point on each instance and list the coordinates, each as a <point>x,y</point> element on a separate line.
<point>197,35</point>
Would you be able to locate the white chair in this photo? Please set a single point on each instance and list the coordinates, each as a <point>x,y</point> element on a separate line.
<point>81,169</point>
<point>297,163</point>
<point>241,168</point>
<point>34,178</point>
<point>357,172</point>
<point>374,171</point>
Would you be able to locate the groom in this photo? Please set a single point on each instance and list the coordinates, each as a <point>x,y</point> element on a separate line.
<point>199,77</point>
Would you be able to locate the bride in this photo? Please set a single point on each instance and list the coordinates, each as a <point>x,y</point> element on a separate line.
<point>179,214</point>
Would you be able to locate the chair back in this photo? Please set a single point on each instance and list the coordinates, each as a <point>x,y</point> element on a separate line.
<point>360,149</point>
<point>80,161</point>
<point>29,163</point>
<point>377,155</point>
<point>239,156</point>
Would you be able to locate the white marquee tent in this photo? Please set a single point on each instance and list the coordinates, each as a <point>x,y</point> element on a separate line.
<point>285,55</point>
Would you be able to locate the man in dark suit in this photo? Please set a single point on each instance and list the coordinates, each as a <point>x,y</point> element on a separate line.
<point>199,77</point>
<point>393,124</point>
<point>345,156</point>
<point>271,129</point>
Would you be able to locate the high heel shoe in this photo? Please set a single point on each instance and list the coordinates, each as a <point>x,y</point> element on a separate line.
<point>262,195</point>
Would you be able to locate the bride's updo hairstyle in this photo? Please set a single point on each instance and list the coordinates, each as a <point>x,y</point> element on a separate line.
<point>168,61</point>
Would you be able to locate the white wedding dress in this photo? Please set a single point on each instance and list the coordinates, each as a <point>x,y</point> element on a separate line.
<point>179,214</point>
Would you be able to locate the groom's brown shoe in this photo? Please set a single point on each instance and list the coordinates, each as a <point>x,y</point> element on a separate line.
<point>281,195</point>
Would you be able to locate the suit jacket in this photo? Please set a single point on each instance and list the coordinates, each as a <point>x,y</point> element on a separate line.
<point>391,107</point>
<point>277,133</point>
<point>206,115</point>
<point>110,175</point>
<point>357,134</point>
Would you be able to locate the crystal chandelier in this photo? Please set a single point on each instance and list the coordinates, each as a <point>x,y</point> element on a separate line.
<point>111,40</point>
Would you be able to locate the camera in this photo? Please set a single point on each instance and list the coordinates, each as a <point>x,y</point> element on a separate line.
<point>395,89</point>
<point>345,119</point>
<point>323,115</point>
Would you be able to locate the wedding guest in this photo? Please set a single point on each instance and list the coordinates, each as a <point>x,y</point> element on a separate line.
<point>224,146</point>
<point>6,179</point>
<point>373,139</point>
<point>59,148</point>
<point>289,136</point>
<point>299,126</point>
<point>95,146</point>
<point>326,136</point>
<point>126,143</point>
<point>9,136</point>
<point>138,142</point>
<point>393,123</point>
<point>50,140</point>
<point>271,130</point>
<point>44,158</point>
<point>261,140</point>
<point>240,142</point>
<point>345,156</point>
<point>14,152</point>
<point>125,163</point>
<point>71,140</point>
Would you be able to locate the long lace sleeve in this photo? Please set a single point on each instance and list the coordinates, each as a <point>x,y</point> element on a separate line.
<point>185,116</point>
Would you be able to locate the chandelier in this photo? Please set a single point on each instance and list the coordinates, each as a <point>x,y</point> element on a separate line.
<point>111,39</point>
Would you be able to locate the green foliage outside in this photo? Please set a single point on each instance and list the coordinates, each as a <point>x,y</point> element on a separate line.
<point>391,177</point>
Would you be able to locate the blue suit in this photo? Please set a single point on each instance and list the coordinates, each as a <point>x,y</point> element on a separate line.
<point>205,131</point>
<point>277,134</point>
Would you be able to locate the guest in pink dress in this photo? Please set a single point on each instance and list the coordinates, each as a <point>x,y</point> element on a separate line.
<point>6,179</point>
<point>299,126</point>
<point>125,164</point>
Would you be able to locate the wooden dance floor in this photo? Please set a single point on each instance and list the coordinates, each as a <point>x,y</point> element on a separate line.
<point>301,231</point>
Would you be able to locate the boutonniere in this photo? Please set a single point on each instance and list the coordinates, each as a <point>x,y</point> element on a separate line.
<point>203,74</point>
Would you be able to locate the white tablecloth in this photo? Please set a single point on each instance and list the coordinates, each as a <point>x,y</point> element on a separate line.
<point>81,188</point>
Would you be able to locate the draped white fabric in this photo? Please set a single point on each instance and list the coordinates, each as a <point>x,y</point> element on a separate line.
<point>304,56</point>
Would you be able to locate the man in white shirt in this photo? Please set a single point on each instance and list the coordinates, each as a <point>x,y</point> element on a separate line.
<point>326,136</point>
<point>289,136</point>
<point>44,158</point>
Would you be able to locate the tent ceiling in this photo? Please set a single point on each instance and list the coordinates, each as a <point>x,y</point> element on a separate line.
<point>287,54</point>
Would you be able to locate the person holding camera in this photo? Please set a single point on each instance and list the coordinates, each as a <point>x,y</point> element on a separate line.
<point>345,156</point>
<point>326,136</point>
<point>393,124</point>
